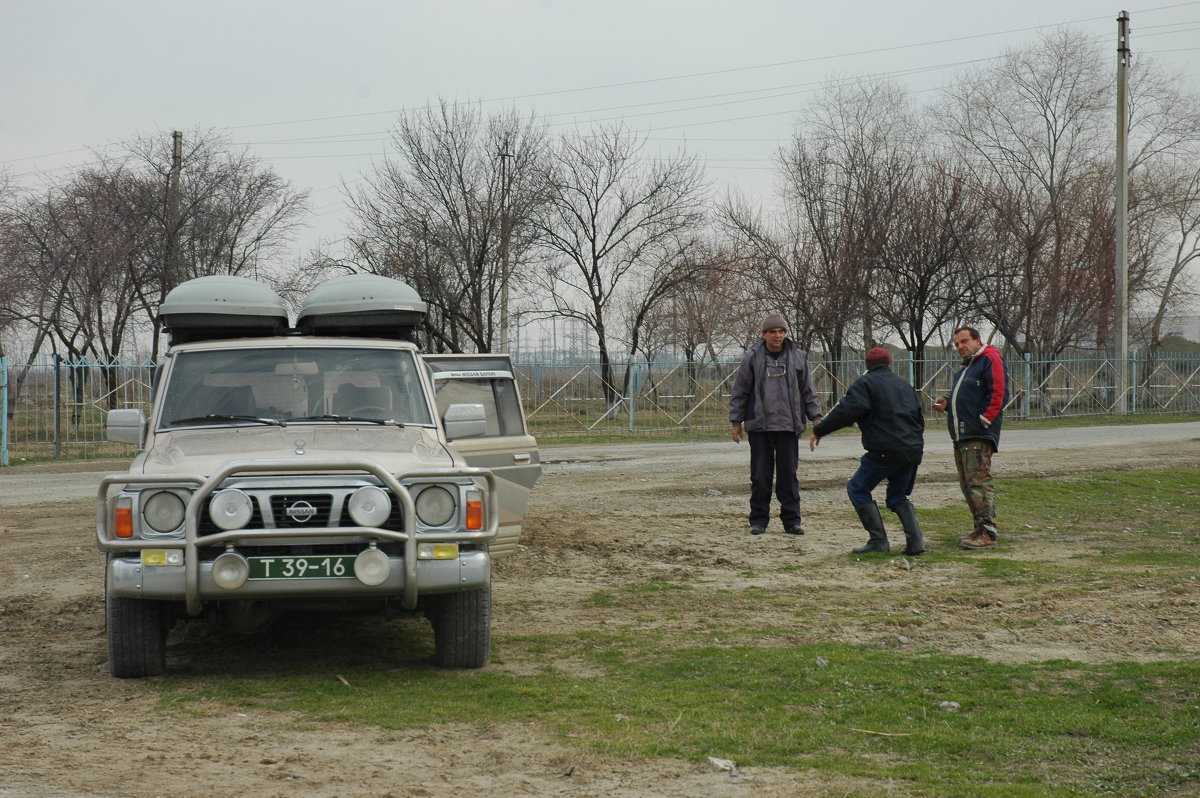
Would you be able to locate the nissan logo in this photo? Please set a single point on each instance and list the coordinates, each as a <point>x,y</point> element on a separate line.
<point>301,512</point>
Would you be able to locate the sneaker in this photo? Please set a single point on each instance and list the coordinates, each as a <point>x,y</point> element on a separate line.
<point>794,530</point>
<point>978,539</point>
<point>757,530</point>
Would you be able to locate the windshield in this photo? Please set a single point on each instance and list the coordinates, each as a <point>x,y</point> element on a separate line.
<point>294,385</point>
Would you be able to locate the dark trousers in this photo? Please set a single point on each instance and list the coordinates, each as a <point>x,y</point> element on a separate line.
<point>774,457</point>
<point>900,478</point>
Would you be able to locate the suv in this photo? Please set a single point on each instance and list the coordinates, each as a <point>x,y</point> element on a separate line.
<point>326,467</point>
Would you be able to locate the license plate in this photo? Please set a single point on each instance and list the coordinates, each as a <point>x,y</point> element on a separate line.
<point>309,566</point>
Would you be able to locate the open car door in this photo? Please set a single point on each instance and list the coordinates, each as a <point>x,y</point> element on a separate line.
<point>506,448</point>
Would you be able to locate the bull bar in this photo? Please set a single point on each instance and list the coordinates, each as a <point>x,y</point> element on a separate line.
<point>191,540</point>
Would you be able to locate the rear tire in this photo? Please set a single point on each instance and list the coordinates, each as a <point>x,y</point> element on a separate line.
<point>137,637</point>
<point>462,628</point>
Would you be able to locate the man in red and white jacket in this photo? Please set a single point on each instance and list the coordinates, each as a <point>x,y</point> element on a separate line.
<point>975,410</point>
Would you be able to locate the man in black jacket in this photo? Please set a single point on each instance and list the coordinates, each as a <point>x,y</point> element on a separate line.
<point>889,416</point>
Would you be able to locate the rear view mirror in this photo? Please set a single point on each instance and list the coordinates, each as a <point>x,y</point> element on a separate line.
<point>127,425</point>
<point>295,369</point>
<point>464,421</point>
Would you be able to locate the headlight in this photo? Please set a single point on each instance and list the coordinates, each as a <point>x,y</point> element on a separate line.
<point>370,506</point>
<point>230,509</point>
<point>435,506</point>
<point>163,511</point>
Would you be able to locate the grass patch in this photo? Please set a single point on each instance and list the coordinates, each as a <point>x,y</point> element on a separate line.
<point>1070,422</point>
<point>748,674</point>
<point>1125,511</point>
<point>856,710</point>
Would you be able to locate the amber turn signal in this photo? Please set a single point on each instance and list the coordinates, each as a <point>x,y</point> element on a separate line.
<point>123,522</point>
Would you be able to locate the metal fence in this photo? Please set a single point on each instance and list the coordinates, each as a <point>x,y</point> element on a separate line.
<point>56,409</point>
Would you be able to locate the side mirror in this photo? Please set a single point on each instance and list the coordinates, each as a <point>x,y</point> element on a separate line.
<point>464,421</point>
<point>127,425</point>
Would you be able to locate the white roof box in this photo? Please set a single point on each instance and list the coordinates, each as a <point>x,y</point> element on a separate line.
<point>222,306</point>
<point>362,305</point>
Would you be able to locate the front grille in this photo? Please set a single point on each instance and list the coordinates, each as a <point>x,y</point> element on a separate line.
<point>305,510</point>
<point>327,510</point>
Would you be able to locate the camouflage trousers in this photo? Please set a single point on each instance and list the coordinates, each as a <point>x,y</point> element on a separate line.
<point>973,459</point>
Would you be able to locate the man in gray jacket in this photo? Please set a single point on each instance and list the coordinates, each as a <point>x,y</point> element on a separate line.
<point>772,400</point>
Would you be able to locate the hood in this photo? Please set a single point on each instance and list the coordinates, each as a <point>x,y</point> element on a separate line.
<point>203,451</point>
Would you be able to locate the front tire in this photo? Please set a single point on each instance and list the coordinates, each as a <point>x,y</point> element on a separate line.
<point>462,628</point>
<point>137,637</point>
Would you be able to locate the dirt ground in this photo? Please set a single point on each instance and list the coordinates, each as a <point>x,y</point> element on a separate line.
<point>600,517</point>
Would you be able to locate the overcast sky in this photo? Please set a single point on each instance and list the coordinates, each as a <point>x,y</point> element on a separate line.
<point>312,87</point>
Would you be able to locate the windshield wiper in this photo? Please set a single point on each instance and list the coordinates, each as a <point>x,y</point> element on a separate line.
<point>336,418</point>
<point>227,417</point>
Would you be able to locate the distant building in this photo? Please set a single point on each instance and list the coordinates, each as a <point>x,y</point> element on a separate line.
<point>1184,326</point>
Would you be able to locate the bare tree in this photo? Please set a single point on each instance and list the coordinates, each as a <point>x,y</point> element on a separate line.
<point>1164,129</point>
<point>14,288</point>
<point>92,245</point>
<point>228,213</point>
<point>707,315</point>
<point>1029,130</point>
<point>451,217</point>
<point>844,173</point>
<point>774,257</point>
<point>612,221</point>
<point>916,283</point>
<point>1169,241</point>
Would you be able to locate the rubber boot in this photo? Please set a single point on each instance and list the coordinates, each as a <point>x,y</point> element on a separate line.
<point>913,540</point>
<point>868,514</point>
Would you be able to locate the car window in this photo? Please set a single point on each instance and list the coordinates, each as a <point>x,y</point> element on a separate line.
<point>294,384</point>
<point>497,395</point>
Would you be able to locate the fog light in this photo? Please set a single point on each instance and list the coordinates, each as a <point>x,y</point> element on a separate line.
<point>162,557</point>
<point>230,570</point>
<point>230,509</point>
<point>372,567</point>
<point>370,506</point>
<point>437,551</point>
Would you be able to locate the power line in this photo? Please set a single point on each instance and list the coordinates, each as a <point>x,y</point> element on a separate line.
<point>709,73</point>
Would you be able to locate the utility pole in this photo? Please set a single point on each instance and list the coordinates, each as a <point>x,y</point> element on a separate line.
<point>170,268</point>
<point>504,155</point>
<point>173,210</point>
<point>1121,284</point>
<point>868,332</point>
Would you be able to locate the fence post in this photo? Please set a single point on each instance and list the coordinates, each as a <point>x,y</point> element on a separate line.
<point>635,385</point>
<point>1133,380</point>
<point>3,410</point>
<point>57,404</point>
<point>1028,385</point>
